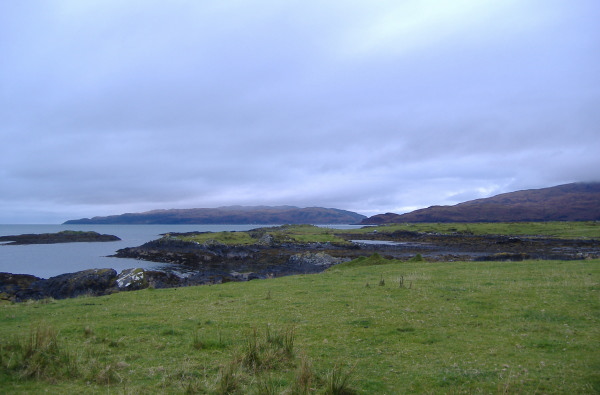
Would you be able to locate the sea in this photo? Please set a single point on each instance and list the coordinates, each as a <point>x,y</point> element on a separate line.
<point>48,260</point>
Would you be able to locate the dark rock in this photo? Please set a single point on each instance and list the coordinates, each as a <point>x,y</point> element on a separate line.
<point>503,257</point>
<point>157,279</point>
<point>509,240</point>
<point>309,259</point>
<point>135,279</point>
<point>92,282</point>
<point>13,284</point>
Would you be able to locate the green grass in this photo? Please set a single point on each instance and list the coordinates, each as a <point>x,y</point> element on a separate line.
<point>587,229</point>
<point>279,234</point>
<point>306,234</point>
<point>231,238</point>
<point>315,234</point>
<point>473,327</point>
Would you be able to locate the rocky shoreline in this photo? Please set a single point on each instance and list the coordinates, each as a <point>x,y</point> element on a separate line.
<point>98,282</point>
<point>213,262</point>
<point>91,282</point>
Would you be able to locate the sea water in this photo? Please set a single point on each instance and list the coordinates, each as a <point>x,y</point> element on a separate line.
<point>47,260</point>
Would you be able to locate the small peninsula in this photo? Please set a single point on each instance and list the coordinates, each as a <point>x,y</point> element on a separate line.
<point>66,236</point>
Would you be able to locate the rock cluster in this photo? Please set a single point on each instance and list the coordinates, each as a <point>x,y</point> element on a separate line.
<point>91,282</point>
<point>98,282</point>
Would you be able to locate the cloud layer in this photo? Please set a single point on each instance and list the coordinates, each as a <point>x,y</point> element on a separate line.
<point>110,106</point>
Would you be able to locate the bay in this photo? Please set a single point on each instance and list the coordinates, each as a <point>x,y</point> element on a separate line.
<point>48,260</point>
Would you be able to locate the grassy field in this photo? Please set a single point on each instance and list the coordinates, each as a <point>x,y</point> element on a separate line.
<point>279,234</point>
<point>391,327</point>
<point>567,230</point>
<point>310,233</point>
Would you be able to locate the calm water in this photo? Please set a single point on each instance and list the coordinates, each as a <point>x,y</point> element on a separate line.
<point>47,260</point>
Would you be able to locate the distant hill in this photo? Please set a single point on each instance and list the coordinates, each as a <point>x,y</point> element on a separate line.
<point>569,202</point>
<point>232,215</point>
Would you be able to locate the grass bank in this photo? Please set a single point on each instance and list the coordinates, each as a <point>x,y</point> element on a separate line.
<point>276,234</point>
<point>555,229</point>
<point>316,234</point>
<point>393,327</point>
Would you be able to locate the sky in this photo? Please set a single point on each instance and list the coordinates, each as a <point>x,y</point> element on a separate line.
<point>112,106</point>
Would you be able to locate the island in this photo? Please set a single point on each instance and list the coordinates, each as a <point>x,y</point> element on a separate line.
<point>66,236</point>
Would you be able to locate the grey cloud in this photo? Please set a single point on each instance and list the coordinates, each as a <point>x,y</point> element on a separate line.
<point>108,106</point>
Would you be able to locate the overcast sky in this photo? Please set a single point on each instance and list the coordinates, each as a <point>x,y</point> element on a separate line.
<point>112,106</point>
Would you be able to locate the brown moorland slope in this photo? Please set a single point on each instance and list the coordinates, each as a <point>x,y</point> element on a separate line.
<point>569,202</point>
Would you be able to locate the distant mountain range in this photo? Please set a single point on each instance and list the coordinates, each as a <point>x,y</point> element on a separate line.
<point>232,215</point>
<point>569,202</point>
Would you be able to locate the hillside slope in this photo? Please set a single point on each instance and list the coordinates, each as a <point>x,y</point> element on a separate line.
<point>232,215</point>
<point>569,202</point>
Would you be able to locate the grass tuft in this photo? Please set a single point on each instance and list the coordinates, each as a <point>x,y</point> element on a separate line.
<point>228,381</point>
<point>38,355</point>
<point>208,343</point>
<point>88,331</point>
<point>305,377</point>
<point>338,382</point>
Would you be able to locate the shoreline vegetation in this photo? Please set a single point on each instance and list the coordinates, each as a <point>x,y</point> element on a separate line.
<point>209,258</point>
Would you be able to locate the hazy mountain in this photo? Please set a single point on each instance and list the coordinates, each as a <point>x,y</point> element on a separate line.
<point>232,215</point>
<point>569,202</point>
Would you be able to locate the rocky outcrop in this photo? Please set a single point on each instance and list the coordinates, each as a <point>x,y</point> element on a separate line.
<point>94,282</point>
<point>91,282</point>
<point>13,284</point>
<point>318,260</point>
<point>263,258</point>
<point>66,236</point>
